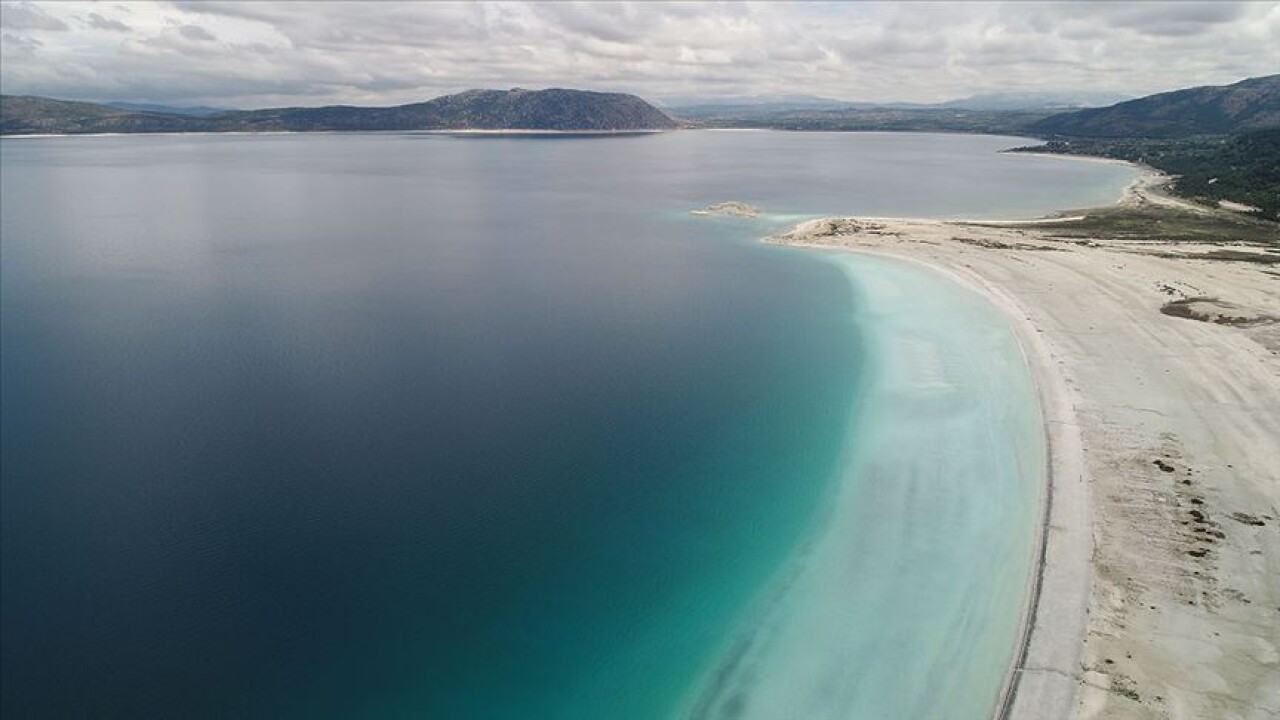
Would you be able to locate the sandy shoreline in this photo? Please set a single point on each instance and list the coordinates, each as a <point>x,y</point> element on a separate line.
<point>1157,594</point>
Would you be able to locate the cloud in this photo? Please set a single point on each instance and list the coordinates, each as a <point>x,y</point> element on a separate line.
<point>195,32</point>
<point>273,53</point>
<point>99,22</point>
<point>21,44</point>
<point>26,16</point>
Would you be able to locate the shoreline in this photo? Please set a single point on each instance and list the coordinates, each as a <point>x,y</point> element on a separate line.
<point>204,133</point>
<point>1052,623</point>
<point>792,646</point>
<point>1061,565</point>
<point>1064,665</point>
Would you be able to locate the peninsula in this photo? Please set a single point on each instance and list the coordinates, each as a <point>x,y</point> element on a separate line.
<point>1153,329</point>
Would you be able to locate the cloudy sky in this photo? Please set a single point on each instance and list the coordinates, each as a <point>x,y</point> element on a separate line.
<point>259,54</point>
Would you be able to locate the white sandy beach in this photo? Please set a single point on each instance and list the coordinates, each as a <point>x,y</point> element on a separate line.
<point>1161,582</point>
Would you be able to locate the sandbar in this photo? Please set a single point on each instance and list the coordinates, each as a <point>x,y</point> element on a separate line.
<point>1153,332</point>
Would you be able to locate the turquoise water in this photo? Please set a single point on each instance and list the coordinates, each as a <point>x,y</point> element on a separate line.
<point>905,601</point>
<point>381,426</point>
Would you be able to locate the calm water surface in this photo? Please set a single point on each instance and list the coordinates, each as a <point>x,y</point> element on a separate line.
<point>392,426</point>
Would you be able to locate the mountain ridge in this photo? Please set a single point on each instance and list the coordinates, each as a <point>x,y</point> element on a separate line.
<point>1244,106</point>
<point>516,109</point>
<point>196,110</point>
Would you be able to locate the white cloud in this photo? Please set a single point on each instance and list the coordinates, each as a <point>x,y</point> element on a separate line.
<point>28,16</point>
<point>271,53</point>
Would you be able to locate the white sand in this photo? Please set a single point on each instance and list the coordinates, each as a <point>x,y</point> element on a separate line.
<point>1161,586</point>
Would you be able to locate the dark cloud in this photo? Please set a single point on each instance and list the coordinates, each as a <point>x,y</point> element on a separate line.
<point>21,43</point>
<point>1156,19</point>
<point>195,32</point>
<point>99,22</point>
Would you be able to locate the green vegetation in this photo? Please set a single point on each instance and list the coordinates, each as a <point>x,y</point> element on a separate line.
<point>1240,168</point>
<point>873,119</point>
<point>553,109</point>
<point>1221,143</point>
<point>1230,233</point>
<point>1248,105</point>
<point>37,115</point>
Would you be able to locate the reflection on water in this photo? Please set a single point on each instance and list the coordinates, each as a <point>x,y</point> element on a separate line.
<point>413,425</point>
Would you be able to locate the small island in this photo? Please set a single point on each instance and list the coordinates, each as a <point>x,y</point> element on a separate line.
<point>731,207</point>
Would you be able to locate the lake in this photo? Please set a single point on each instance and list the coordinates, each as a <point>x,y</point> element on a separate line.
<point>419,425</point>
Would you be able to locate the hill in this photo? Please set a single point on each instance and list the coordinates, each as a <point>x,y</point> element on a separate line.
<point>516,109</point>
<point>197,110</point>
<point>863,118</point>
<point>555,109</point>
<point>1248,105</point>
<point>1004,112</point>
<point>1025,100</point>
<point>1242,168</point>
<point>37,115</point>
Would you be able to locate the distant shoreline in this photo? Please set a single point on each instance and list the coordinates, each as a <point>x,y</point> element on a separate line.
<point>537,131</point>
<point>207,133</point>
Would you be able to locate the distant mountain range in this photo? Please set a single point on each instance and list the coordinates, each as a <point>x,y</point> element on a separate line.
<point>1245,106</point>
<point>1022,100</point>
<point>1219,143</point>
<point>1012,101</point>
<point>196,110</point>
<point>518,109</point>
<point>1242,107</point>
<point>27,114</point>
<point>787,100</point>
<point>1252,104</point>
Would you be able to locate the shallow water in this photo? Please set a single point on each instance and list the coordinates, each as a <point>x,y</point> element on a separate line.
<point>906,600</point>
<point>413,425</point>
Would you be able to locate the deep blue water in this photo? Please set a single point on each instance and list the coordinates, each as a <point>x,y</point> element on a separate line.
<point>421,426</point>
